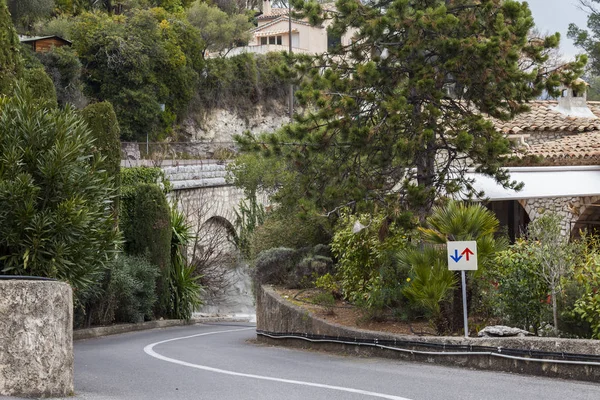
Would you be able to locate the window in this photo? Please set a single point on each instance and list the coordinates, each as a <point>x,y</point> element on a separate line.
<point>333,40</point>
<point>279,40</point>
<point>271,39</point>
<point>263,40</point>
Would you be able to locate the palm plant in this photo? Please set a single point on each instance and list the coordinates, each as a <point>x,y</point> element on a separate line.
<point>185,289</point>
<point>451,222</point>
<point>431,283</point>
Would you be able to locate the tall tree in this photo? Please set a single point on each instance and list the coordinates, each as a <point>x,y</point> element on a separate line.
<point>398,113</point>
<point>11,63</point>
<point>588,40</point>
<point>25,12</point>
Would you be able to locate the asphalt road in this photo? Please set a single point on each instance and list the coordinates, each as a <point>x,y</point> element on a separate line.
<point>221,361</point>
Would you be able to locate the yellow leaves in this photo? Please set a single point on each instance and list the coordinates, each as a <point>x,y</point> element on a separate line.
<point>164,25</point>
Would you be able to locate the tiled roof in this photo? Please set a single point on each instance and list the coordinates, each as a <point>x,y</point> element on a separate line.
<point>542,117</point>
<point>573,146</point>
<point>275,12</point>
<point>577,139</point>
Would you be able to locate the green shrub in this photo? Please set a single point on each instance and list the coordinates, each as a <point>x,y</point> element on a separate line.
<point>241,82</point>
<point>64,68</point>
<point>281,229</point>
<point>588,305</point>
<point>151,226</point>
<point>131,291</point>
<point>150,234</point>
<point>55,218</point>
<point>521,295</point>
<point>289,267</point>
<point>360,255</point>
<point>41,86</point>
<point>131,179</point>
<point>273,266</point>
<point>11,64</point>
<point>102,121</point>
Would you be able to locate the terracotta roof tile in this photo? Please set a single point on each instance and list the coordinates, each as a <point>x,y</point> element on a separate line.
<point>579,138</point>
<point>542,117</point>
<point>275,12</point>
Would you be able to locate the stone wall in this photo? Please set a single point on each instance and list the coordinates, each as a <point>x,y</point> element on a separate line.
<point>570,209</point>
<point>275,315</point>
<point>540,137</point>
<point>36,338</point>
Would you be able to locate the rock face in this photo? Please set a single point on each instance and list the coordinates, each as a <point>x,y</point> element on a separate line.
<point>36,338</point>
<point>220,125</point>
<point>502,331</point>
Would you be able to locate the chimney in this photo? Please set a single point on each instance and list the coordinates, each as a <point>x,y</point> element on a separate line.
<point>572,102</point>
<point>266,9</point>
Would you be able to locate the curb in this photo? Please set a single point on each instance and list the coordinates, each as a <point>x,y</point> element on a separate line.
<point>89,333</point>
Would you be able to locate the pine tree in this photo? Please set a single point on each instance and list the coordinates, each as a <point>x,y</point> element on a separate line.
<point>11,63</point>
<point>399,113</point>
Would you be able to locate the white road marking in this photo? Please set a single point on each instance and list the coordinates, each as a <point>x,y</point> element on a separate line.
<point>150,351</point>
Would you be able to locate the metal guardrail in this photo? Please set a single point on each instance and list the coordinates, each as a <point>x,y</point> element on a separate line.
<point>24,278</point>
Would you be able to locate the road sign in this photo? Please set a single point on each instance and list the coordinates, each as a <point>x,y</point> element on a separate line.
<point>462,256</point>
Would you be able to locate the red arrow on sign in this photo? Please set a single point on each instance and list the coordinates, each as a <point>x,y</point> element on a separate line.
<point>467,252</point>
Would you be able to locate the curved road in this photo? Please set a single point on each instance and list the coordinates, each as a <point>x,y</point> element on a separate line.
<point>221,361</point>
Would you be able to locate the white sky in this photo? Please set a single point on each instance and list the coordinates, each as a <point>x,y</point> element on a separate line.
<point>555,16</point>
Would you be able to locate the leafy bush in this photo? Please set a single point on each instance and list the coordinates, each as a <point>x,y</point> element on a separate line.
<point>150,234</point>
<point>131,291</point>
<point>241,82</point>
<point>103,123</point>
<point>131,179</point>
<point>64,68</point>
<point>138,61</point>
<point>520,295</point>
<point>11,63</point>
<point>361,254</point>
<point>588,306</point>
<point>282,229</point>
<point>55,201</point>
<point>289,267</point>
<point>41,86</point>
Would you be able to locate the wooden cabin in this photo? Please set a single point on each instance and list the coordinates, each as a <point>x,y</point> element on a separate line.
<point>43,44</point>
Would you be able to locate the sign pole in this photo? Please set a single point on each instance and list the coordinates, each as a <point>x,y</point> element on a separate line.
<point>464,296</point>
<point>462,256</point>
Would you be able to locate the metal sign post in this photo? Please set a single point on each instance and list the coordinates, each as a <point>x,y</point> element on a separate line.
<point>462,256</point>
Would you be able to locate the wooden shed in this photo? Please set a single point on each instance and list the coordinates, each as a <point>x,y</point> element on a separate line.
<point>43,44</point>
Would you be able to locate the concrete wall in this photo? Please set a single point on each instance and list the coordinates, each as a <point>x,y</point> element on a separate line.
<point>36,338</point>
<point>273,314</point>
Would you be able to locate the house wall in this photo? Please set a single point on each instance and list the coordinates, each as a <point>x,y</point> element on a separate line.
<point>570,209</point>
<point>45,45</point>
<point>312,39</point>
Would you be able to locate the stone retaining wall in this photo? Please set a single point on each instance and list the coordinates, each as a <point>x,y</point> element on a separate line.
<point>36,338</point>
<point>274,314</point>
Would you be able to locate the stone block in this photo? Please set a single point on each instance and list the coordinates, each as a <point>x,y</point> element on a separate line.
<point>36,337</point>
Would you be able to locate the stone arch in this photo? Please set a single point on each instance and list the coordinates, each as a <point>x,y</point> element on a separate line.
<point>224,223</point>
<point>588,217</point>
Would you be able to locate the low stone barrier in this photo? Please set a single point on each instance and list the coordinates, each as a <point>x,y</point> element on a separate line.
<point>276,317</point>
<point>36,338</point>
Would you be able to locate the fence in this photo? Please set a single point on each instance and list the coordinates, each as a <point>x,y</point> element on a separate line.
<point>179,153</point>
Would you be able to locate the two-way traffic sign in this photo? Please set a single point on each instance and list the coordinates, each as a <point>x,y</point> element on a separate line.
<point>462,256</point>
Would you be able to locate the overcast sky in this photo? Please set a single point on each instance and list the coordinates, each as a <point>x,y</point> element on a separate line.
<point>555,16</point>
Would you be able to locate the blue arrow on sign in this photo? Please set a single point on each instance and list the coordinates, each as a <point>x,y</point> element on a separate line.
<point>456,257</point>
